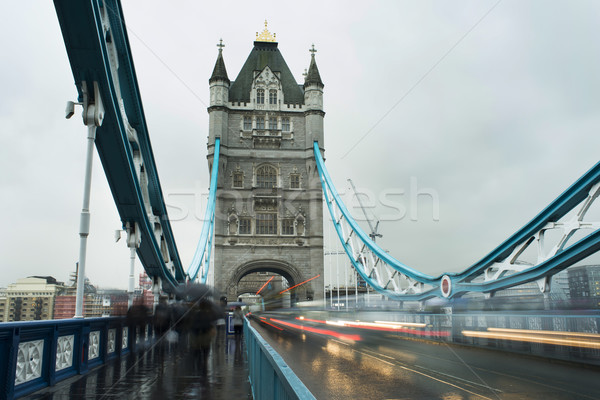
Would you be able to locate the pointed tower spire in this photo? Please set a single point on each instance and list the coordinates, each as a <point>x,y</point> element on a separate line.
<point>219,72</point>
<point>313,77</point>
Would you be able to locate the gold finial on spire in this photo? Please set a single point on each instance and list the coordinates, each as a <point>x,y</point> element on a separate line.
<point>265,35</point>
<point>220,45</point>
<point>313,50</point>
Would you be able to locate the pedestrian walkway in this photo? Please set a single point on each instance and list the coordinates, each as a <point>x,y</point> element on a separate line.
<point>163,371</point>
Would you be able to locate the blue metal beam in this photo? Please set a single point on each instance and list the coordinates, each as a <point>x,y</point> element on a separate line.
<point>202,254</point>
<point>564,203</point>
<point>86,43</point>
<point>461,283</point>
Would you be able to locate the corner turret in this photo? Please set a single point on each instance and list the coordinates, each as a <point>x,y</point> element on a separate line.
<point>218,111</point>
<point>219,82</point>
<point>313,101</point>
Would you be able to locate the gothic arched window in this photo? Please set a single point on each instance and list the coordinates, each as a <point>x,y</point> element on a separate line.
<point>260,96</point>
<point>266,177</point>
<point>272,96</point>
<point>247,123</point>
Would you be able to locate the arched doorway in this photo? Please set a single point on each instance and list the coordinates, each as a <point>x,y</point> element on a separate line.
<point>267,281</point>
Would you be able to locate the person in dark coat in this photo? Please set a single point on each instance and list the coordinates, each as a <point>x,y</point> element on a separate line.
<point>238,320</point>
<point>162,318</point>
<point>138,317</point>
<point>202,330</point>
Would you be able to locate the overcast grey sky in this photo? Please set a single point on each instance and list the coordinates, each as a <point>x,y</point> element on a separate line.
<point>496,116</point>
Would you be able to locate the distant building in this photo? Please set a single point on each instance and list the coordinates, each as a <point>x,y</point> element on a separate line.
<point>144,281</point>
<point>64,303</point>
<point>29,299</point>
<point>148,299</point>
<point>144,295</point>
<point>584,284</point>
<point>3,304</point>
<point>560,286</point>
<point>100,303</point>
<point>525,292</point>
<point>42,298</point>
<point>64,307</point>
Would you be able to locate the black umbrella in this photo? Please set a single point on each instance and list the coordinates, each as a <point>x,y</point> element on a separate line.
<point>192,292</point>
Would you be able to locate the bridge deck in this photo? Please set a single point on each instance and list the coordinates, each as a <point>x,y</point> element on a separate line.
<point>382,365</point>
<point>164,372</point>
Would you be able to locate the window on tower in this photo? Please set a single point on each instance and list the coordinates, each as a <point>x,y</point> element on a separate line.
<point>287,226</point>
<point>295,181</point>
<point>272,96</point>
<point>245,226</point>
<point>260,122</point>
<point>266,224</point>
<point>285,124</point>
<point>238,179</point>
<point>260,96</point>
<point>266,177</point>
<point>272,123</point>
<point>247,123</point>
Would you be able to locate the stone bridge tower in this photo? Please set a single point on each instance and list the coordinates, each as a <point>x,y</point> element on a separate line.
<point>269,210</point>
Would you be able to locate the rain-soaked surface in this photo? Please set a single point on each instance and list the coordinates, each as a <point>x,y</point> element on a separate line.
<point>386,366</point>
<point>164,371</point>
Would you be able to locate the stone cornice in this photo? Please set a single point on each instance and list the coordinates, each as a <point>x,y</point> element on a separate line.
<point>218,108</point>
<point>313,112</point>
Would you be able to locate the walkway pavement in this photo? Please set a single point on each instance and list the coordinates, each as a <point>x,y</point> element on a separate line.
<point>163,372</point>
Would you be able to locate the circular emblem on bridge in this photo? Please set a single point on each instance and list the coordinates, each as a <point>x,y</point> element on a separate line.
<point>446,286</point>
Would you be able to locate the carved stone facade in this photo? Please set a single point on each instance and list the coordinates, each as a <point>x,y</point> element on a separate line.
<point>269,209</point>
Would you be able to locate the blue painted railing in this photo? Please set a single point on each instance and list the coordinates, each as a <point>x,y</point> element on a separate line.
<point>37,354</point>
<point>270,376</point>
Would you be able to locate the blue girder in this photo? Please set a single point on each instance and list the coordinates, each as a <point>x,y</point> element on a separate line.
<point>87,41</point>
<point>463,282</point>
<point>201,260</point>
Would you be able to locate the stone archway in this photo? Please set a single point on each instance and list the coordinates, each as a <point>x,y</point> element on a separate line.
<point>288,271</point>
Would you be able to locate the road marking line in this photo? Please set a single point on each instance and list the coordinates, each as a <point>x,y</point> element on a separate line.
<point>458,378</point>
<point>425,375</point>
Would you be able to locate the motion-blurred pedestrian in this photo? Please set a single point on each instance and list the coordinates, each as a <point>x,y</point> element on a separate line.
<point>202,317</point>
<point>238,320</point>
<point>162,317</point>
<point>138,317</point>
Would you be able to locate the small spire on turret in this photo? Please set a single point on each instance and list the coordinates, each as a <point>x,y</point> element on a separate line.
<point>219,72</point>
<point>313,76</point>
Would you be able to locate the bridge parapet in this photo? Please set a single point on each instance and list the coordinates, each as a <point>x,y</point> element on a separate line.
<point>40,354</point>
<point>270,376</point>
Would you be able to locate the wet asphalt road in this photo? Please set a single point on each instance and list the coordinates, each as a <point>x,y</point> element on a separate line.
<point>163,371</point>
<point>389,367</point>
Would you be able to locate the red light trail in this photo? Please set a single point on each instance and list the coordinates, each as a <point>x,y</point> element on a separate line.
<point>263,286</point>
<point>301,283</point>
<point>268,323</point>
<point>317,330</point>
